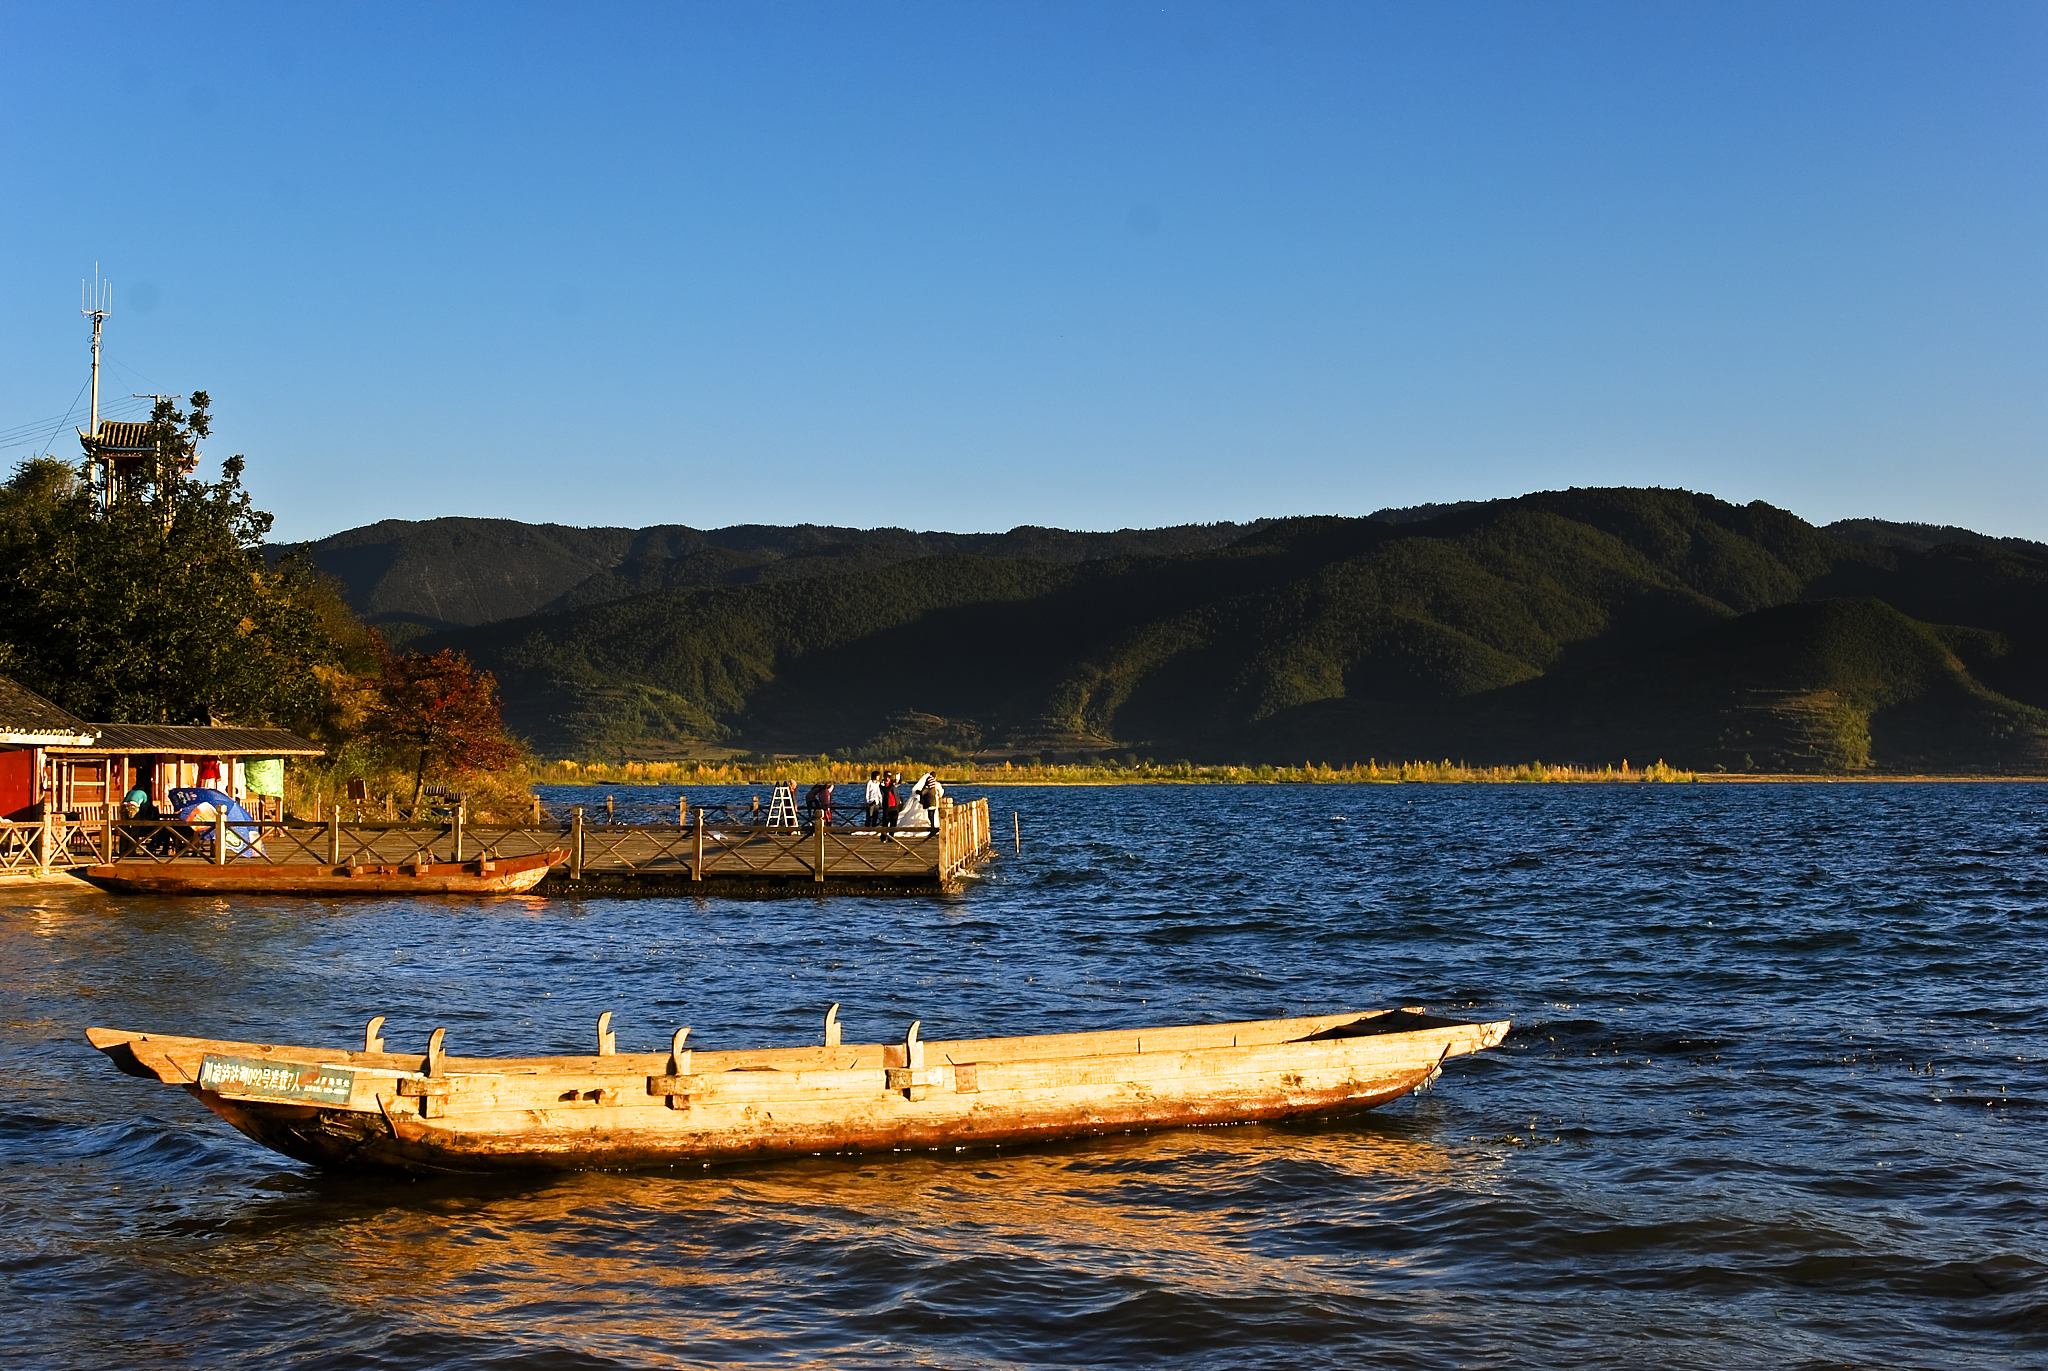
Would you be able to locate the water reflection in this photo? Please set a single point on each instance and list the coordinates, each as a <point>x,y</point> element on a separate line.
<point>629,1265</point>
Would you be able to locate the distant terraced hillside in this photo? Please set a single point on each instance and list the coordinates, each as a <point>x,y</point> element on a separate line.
<point>1583,625</point>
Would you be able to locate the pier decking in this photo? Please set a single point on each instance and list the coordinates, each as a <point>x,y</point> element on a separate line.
<point>707,855</point>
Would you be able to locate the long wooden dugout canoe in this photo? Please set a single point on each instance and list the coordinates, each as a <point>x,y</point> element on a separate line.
<point>245,876</point>
<point>375,1109</point>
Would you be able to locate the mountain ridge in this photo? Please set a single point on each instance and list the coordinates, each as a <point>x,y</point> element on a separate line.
<point>412,576</point>
<point>1580,625</point>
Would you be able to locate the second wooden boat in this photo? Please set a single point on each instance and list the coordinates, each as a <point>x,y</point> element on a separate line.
<point>245,876</point>
<point>440,1113</point>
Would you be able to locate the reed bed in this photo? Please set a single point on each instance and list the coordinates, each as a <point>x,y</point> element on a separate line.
<point>312,787</point>
<point>807,772</point>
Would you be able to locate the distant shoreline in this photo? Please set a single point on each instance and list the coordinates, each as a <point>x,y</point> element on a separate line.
<point>1703,778</point>
<point>685,775</point>
<point>1887,778</point>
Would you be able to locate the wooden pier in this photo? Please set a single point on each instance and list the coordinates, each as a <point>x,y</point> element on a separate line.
<point>708,854</point>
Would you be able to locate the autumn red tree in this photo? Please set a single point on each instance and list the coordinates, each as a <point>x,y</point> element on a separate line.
<point>443,709</point>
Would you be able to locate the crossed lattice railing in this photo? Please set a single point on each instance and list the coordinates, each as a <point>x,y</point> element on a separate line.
<point>274,842</point>
<point>24,849</point>
<point>714,842</point>
<point>706,846</point>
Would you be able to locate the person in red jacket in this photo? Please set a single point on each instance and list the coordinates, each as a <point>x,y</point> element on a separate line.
<point>891,804</point>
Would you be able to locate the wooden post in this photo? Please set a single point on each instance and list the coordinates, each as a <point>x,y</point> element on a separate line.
<point>334,836</point>
<point>576,843</point>
<point>536,811</point>
<point>610,815</point>
<point>461,816</point>
<point>1016,831</point>
<point>220,838</point>
<point>818,866</point>
<point>107,833</point>
<point>49,841</point>
<point>697,861</point>
<point>682,811</point>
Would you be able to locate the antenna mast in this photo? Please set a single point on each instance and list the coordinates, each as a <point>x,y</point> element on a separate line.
<point>94,301</point>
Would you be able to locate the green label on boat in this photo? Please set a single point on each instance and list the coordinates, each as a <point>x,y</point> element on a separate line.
<point>276,1080</point>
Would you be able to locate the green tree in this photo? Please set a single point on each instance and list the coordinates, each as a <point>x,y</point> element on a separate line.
<point>157,606</point>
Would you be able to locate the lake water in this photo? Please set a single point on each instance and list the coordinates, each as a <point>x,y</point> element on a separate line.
<point>1774,1098</point>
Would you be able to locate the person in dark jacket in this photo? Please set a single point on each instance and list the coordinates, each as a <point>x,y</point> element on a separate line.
<point>891,803</point>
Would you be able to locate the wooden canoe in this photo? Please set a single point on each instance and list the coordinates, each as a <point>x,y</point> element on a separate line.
<point>245,876</point>
<point>386,1110</point>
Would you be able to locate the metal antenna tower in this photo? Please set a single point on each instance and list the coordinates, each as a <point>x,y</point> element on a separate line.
<point>95,301</point>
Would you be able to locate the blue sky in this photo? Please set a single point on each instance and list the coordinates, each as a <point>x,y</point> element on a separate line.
<point>967,266</point>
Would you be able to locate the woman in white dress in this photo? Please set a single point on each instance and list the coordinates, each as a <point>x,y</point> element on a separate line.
<point>914,814</point>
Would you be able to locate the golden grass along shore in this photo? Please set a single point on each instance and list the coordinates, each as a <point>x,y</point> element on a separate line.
<point>1009,773</point>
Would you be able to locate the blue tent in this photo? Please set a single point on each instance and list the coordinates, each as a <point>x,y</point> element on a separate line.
<point>245,837</point>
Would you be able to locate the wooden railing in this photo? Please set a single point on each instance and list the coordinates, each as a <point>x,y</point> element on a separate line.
<point>963,836</point>
<point>706,846</point>
<point>40,846</point>
<point>23,849</point>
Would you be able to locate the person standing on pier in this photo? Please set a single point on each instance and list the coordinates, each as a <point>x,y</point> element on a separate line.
<point>872,799</point>
<point>890,804</point>
<point>818,800</point>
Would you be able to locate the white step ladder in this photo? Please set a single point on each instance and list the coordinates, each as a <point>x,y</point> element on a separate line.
<point>782,806</point>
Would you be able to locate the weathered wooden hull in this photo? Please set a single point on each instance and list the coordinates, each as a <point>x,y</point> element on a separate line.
<point>506,876</point>
<point>383,1110</point>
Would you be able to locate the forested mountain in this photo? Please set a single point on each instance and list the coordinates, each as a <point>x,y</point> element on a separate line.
<point>407,576</point>
<point>1582,625</point>
<point>1921,537</point>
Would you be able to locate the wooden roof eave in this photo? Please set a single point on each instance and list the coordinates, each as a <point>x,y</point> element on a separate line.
<point>123,750</point>
<point>193,740</point>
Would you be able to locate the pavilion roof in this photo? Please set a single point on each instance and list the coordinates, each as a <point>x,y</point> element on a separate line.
<point>28,720</point>
<point>194,741</point>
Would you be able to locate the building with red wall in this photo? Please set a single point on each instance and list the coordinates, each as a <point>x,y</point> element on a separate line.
<point>48,755</point>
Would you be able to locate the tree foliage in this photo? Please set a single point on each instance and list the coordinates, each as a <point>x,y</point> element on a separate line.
<point>443,710</point>
<point>158,607</point>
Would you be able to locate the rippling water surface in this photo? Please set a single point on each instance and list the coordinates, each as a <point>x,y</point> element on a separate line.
<point>1774,1097</point>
